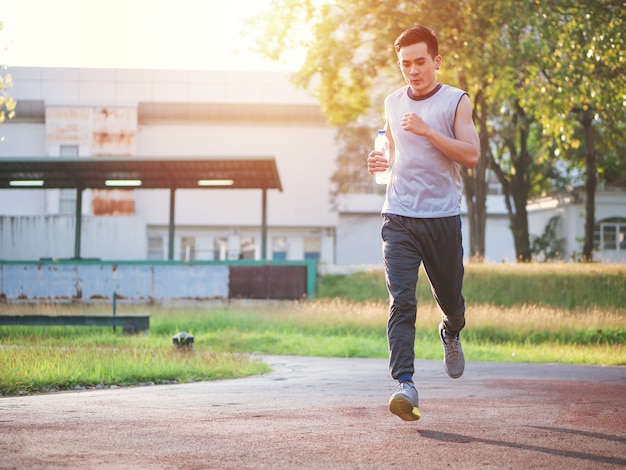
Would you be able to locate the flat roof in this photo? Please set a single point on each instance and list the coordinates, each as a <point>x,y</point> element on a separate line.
<point>140,173</point>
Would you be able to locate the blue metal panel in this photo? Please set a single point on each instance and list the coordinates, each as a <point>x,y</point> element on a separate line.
<point>190,281</point>
<point>136,280</point>
<point>39,281</point>
<point>127,280</point>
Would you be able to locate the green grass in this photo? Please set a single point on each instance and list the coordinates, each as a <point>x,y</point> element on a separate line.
<point>45,369</point>
<point>529,313</point>
<point>566,286</point>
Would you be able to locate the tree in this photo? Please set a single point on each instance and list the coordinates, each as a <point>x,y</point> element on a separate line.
<point>583,72</point>
<point>527,101</point>
<point>499,52</point>
<point>467,29</point>
<point>354,142</point>
<point>7,104</point>
<point>351,65</point>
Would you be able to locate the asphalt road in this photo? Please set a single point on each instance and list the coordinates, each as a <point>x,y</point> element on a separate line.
<point>330,413</point>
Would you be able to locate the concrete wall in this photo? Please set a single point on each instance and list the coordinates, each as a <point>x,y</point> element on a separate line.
<point>304,157</point>
<point>28,139</point>
<point>32,238</point>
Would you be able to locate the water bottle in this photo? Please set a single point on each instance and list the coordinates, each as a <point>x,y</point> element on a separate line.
<point>382,145</point>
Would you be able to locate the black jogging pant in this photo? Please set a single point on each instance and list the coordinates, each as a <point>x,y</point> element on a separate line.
<point>407,243</point>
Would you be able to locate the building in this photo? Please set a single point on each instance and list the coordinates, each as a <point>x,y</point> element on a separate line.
<point>79,113</point>
<point>569,209</point>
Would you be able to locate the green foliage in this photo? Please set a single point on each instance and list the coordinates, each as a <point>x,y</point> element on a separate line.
<point>582,64</point>
<point>7,104</point>
<point>547,79</point>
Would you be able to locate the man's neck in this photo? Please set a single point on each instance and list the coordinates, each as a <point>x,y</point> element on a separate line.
<point>415,97</point>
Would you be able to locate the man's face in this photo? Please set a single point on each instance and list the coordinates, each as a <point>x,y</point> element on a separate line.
<point>418,68</point>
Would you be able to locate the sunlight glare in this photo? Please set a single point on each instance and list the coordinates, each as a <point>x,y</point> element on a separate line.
<point>139,34</point>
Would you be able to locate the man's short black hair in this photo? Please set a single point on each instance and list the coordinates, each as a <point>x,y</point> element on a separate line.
<point>416,35</point>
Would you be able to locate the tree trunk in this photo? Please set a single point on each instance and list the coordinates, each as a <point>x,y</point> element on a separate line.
<point>476,214</point>
<point>516,185</point>
<point>590,185</point>
<point>475,185</point>
<point>521,236</point>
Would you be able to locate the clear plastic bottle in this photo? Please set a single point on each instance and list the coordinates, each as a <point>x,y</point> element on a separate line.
<point>382,144</point>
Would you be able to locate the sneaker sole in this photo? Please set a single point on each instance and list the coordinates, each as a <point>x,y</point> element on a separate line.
<point>404,409</point>
<point>452,376</point>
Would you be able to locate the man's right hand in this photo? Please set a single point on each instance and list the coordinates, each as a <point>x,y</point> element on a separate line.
<point>376,162</point>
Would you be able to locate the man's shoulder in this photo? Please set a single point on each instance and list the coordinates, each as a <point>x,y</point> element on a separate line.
<point>452,90</point>
<point>402,91</point>
<point>399,94</point>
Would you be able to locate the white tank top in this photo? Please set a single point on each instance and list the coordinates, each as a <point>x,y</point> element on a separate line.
<point>424,182</point>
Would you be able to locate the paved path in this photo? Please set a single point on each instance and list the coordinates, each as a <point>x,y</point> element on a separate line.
<point>330,413</point>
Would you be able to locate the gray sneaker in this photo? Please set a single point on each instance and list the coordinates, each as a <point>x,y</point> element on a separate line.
<point>405,402</point>
<point>453,358</point>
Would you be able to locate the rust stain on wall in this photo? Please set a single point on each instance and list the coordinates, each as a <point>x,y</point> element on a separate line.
<point>114,132</point>
<point>113,202</point>
<point>99,131</point>
<point>68,125</point>
<point>107,143</point>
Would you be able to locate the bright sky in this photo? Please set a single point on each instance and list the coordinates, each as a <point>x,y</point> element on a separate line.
<point>144,34</point>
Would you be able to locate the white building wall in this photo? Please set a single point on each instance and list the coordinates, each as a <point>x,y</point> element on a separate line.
<point>114,238</point>
<point>609,204</point>
<point>573,225</point>
<point>22,202</point>
<point>32,238</point>
<point>539,215</point>
<point>358,239</point>
<point>295,248</point>
<point>23,140</point>
<point>305,158</point>
<point>499,243</point>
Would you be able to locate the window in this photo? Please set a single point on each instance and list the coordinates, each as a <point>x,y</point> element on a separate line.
<point>70,151</point>
<point>67,201</point>
<point>188,248</point>
<point>279,248</point>
<point>610,234</point>
<point>220,248</point>
<point>247,248</point>
<point>312,248</point>
<point>155,248</point>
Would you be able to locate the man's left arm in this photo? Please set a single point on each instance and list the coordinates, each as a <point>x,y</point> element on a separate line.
<point>464,147</point>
